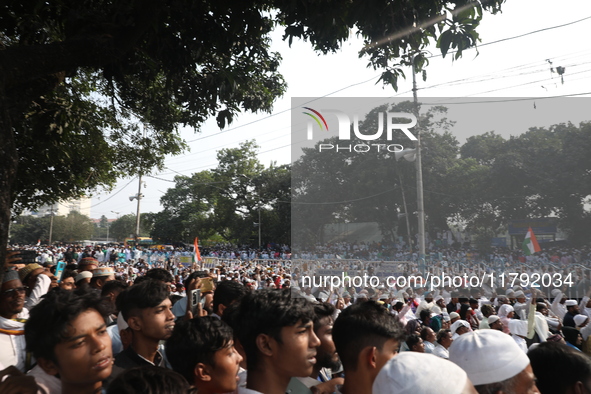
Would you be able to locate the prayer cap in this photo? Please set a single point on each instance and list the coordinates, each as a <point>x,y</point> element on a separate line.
<point>103,271</point>
<point>457,324</point>
<point>405,374</point>
<point>83,275</point>
<point>488,356</point>
<point>10,275</point>
<point>580,319</point>
<point>570,303</point>
<point>88,260</point>
<point>24,272</point>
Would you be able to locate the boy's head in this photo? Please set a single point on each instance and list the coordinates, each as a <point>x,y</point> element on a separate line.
<point>160,274</point>
<point>327,356</point>
<point>147,309</point>
<point>366,331</point>
<point>225,294</point>
<point>202,350</point>
<point>67,334</point>
<point>149,380</point>
<point>270,324</point>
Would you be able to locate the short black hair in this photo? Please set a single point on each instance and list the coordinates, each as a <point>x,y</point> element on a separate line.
<point>227,292</point>
<point>487,310</point>
<point>441,334</point>
<point>267,311</point>
<point>360,325</point>
<point>148,294</point>
<point>425,332</point>
<point>424,314</point>
<point>113,285</point>
<point>69,274</point>
<point>551,359</point>
<point>196,341</point>
<point>148,380</point>
<point>160,274</point>
<point>49,320</point>
<point>412,340</point>
<point>540,306</point>
<point>321,311</point>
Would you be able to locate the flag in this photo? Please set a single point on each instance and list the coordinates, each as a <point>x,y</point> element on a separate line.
<point>530,243</point>
<point>197,254</point>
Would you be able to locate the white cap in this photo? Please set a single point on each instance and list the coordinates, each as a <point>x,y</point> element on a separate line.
<point>519,293</point>
<point>453,315</point>
<point>457,324</point>
<point>83,275</point>
<point>492,319</point>
<point>580,319</point>
<point>405,374</point>
<point>488,356</point>
<point>571,303</point>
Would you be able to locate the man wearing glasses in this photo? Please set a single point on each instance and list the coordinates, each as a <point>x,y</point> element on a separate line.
<point>13,315</point>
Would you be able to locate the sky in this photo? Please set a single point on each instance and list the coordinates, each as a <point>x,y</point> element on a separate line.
<point>510,68</point>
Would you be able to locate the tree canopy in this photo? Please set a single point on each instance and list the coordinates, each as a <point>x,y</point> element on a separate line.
<point>482,184</point>
<point>77,78</point>
<point>225,202</point>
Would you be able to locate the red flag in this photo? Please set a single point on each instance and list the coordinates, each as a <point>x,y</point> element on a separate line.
<point>197,254</point>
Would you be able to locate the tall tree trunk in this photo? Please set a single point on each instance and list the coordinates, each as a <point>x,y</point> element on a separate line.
<point>8,168</point>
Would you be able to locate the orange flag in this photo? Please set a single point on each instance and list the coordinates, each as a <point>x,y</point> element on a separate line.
<point>197,254</point>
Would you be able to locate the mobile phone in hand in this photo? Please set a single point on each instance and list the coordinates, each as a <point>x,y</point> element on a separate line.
<point>195,300</point>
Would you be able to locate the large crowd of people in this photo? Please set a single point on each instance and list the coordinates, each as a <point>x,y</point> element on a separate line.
<point>247,325</point>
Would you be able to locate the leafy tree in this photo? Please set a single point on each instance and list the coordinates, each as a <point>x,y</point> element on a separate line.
<point>101,229</point>
<point>28,230</point>
<point>73,227</point>
<point>226,201</point>
<point>124,227</point>
<point>78,77</point>
<point>342,186</point>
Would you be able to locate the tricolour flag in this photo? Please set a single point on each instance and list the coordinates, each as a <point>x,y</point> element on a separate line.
<point>530,243</point>
<point>197,254</point>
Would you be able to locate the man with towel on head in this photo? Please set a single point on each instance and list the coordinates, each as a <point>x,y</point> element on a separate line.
<point>494,363</point>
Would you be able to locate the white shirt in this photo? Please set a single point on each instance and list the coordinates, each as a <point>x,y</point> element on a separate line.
<point>558,308</point>
<point>41,288</point>
<point>440,351</point>
<point>13,347</point>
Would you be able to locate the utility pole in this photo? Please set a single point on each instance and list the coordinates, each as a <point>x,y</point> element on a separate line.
<point>137,218</point>
<point>51,210</point>
<point>420,208</point>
